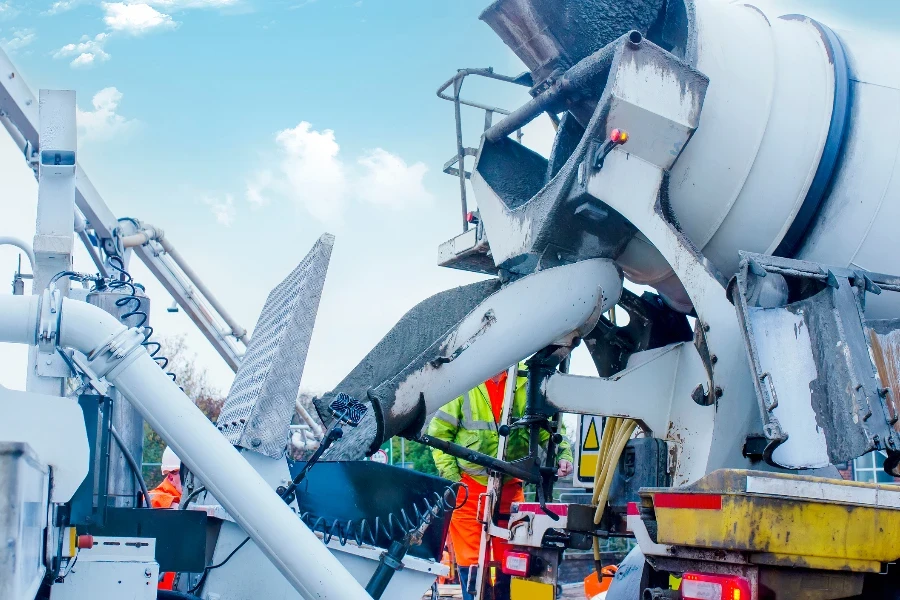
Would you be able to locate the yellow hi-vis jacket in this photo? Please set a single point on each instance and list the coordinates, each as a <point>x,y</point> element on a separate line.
<point>469,421</point>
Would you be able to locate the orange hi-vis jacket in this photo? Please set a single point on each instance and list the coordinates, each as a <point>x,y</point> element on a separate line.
<point>164,495</point>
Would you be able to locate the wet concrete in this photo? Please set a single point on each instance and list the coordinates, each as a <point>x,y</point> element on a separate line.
<point>419,328</point>
<point>548,35</point>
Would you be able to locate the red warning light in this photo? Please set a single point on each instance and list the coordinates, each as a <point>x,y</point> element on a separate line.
<point>618,136</point>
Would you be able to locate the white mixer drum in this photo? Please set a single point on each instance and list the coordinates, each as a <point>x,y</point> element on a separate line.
<point>795,153</point>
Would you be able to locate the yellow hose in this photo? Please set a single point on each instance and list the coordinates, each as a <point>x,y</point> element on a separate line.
<point>615,435</point>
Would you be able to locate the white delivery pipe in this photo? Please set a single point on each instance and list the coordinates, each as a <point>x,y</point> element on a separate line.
<point>515,322</point>
<point>300,556</point>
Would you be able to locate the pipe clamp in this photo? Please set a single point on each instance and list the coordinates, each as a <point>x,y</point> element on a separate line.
<point>48,321</point>
<point>120,349</point>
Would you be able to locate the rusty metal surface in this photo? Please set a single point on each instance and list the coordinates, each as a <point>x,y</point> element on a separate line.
<point>884,341</point>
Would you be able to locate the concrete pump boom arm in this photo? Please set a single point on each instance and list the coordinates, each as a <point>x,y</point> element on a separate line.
<point>19,116</point>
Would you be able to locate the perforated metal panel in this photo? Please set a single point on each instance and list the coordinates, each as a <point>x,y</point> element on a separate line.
<point>258,410</point>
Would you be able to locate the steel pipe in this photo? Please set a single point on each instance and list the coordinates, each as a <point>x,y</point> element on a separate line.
<point>153,233</point>
<point>584,77</point>
<point>8,240</point>
<point>315,573</point>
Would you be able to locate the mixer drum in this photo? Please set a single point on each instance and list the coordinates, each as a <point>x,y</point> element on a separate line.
<point>796,150</point>
<point>797,143</point>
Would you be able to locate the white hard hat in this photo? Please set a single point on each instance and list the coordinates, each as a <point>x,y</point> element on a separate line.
<point>170,461</point>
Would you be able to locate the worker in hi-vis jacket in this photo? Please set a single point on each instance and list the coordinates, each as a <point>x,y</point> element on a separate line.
<point>472,420</point>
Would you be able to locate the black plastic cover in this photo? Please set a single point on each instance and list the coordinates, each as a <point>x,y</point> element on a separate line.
<point>180,534</point>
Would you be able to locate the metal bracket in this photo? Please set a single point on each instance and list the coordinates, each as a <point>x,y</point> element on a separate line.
<point>48,323</point>
<point>81,367</point>
<point>112,353</point>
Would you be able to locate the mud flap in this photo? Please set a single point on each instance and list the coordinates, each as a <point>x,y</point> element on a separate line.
<point>630,577</point>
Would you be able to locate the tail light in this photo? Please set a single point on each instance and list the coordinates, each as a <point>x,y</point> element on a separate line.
<point>702,586</point>
<point>517,563</point>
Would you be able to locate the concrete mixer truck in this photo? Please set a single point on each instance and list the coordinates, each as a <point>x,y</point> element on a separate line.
<point>741,163</point>
<point>737,162</point>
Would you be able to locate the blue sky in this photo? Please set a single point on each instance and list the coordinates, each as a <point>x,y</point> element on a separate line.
<point>246,128</point>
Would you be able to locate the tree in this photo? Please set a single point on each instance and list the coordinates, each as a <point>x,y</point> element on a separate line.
<point>418,456</point>
<point>194,380</point>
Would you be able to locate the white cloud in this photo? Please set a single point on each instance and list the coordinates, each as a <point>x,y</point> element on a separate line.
<point>61,6</point>
<point>309,174</point>
<point>223,210</point>
<point>135,18</point>
<point>257,186</point>
<point>7,10</point>
<point>103,123</point>
<point>180,4</point>
<point>87,52</point>
<point>389,181</point>
<point>19,39</point>
<point>312,174</point>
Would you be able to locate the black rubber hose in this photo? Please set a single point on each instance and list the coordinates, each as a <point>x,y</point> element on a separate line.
<point>193,495</point>
<point>133,464</point>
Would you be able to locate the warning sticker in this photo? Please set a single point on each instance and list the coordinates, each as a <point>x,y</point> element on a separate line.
<point>587,450</point>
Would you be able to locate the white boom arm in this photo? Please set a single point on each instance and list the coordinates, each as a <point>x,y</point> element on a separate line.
<point>19,116</point>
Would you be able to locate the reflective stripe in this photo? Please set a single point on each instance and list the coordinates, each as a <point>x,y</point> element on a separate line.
<point>467,408</point>
<point>448,418</point>
<point>471,424</point>
<point>478,426</point>
<point>474,470</point>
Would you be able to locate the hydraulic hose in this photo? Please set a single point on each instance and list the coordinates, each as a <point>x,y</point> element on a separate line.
<point>133,465</point>
<point>615,435</point>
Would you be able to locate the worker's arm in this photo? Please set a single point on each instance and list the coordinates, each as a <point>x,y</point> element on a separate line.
<point>564,450</point>
<point>444,426</point>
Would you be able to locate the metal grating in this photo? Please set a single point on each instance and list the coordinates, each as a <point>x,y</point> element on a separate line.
<point>257,413</point>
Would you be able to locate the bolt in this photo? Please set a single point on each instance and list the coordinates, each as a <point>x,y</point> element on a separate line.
<point>48,361</point>
<point>719,392</point>
<point>255,442</point>
<point>713,359</point>
<point>706,327</point>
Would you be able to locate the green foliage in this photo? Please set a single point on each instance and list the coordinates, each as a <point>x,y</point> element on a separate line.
<point>193,380</point>
<point>418,456</point>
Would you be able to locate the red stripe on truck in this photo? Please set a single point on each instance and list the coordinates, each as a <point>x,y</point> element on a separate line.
<point>695,501</point>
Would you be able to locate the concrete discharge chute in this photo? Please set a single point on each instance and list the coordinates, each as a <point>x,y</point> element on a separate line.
<point>557,305</point>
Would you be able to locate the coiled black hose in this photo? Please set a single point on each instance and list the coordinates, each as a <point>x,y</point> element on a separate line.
<point>394,527</point>
<point>131,303</point>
